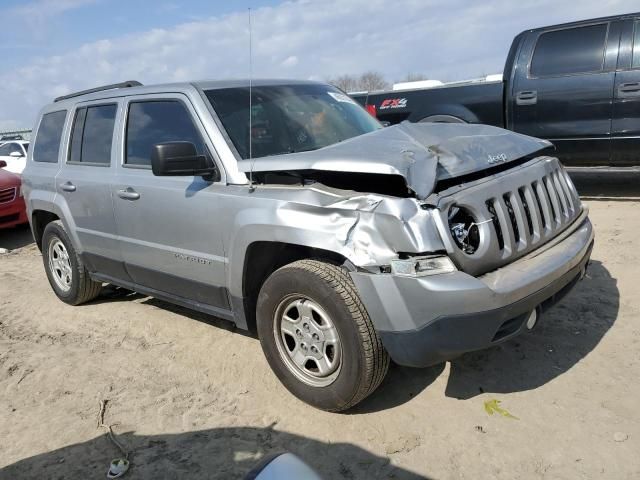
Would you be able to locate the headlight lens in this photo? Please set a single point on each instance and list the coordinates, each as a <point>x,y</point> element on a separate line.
<point>423,266</point>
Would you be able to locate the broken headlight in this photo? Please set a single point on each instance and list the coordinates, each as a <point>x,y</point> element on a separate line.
<point>423,266</point>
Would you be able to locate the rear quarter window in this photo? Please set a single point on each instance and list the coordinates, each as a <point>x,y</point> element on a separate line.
<point>47,144</point>
<point>569,51</point>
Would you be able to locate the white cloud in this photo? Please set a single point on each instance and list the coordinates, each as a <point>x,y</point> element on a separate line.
<point>45,8</point>
<point>311,39</point>
<point>290,61</point>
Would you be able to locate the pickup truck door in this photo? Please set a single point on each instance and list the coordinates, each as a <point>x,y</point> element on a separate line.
<point>562,90</point>
<point>626,105</point>
<point>167,226</point>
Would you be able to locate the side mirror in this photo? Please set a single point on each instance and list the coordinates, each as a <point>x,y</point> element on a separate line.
<point>3,164</point>
<point>16,154</point>
<point>179,159</point>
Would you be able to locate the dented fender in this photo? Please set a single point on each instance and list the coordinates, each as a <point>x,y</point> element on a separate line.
<point>368,230</point>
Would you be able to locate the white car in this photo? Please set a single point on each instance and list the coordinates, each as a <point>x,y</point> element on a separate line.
<point>15,154</point>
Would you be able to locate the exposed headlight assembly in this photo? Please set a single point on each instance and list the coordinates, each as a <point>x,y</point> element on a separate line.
<point>423,266</point>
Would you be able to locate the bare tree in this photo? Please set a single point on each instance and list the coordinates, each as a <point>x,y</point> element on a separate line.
<point>371,81</point>
<point>368,81</point>
<point>347,83</point>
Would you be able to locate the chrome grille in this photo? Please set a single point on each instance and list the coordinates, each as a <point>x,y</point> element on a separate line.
<point>516,212</point>
<point>8,195</point>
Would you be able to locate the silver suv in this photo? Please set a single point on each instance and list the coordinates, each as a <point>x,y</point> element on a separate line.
<point>285,208</point>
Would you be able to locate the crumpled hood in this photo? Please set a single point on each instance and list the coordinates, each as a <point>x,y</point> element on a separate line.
<point>422,153</point>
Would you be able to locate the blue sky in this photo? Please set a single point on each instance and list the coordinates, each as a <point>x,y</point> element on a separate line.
<point>51,47</point>
<point>43,28</point>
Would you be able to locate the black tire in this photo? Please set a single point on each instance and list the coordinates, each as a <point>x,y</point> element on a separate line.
<point>364,361</point>
<point>82,289</point>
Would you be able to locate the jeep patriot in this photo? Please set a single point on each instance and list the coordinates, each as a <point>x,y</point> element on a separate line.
<point>285,208</point>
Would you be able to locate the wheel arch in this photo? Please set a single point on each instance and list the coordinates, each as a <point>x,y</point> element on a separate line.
<point>39,220</point>
<point>442,119</point>
<point>262,258</point>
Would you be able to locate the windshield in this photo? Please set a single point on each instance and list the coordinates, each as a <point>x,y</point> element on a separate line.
<point>289,118</point>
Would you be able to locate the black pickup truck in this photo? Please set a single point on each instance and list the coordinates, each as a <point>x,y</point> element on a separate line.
<point>576,84</point>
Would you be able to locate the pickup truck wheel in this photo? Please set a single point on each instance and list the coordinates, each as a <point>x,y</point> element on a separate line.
<point>441,119</point>
<point>66,272</point>
<point>317,335</point>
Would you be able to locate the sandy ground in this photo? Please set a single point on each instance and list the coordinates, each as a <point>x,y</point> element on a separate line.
<point>194,399</point>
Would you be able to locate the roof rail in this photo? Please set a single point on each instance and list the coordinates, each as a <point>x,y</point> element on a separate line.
<point>127,84</point>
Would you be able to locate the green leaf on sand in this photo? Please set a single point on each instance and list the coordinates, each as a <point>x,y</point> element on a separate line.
<point>493,406</point>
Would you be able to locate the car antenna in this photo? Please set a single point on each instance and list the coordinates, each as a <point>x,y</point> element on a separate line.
<point>252,187</point>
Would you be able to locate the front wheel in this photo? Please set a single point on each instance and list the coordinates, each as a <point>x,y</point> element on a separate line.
<point>318,337</point>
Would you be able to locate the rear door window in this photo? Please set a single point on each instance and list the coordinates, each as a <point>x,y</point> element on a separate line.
<point>158,121</point>
<point>92,135</point>
<point>570,51</point>
<point>47,143</point>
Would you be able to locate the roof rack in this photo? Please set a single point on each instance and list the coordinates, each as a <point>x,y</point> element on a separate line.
<point>127,84</point>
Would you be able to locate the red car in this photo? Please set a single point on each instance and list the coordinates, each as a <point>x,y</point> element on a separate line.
<point>12,207</point>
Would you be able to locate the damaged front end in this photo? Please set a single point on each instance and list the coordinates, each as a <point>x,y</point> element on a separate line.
<point>475,232</point>
<point>384,214</point>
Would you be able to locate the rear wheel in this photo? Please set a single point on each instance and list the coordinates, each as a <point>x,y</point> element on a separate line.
<point>65,270</point>
<point>317,335</point>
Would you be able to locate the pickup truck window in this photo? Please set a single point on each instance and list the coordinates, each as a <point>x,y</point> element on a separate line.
<point>92,135</point>
<point>288,118</point>
<point>569,51</point>
<point>47,143</point>
<point>636,46</point>
<point>158,121</point>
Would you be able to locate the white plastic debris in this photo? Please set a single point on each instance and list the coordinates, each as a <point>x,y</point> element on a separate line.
<point>118,468</point>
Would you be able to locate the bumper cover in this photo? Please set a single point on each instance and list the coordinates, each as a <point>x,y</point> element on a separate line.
<point>424,321</point>
<point>12,214</point>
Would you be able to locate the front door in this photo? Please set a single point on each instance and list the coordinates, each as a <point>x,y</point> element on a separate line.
<point>168,225</point>
<point>565,94</point>
<point>626,106</point>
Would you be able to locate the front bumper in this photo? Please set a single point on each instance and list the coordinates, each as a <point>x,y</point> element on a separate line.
<point>427,320</point>
<point>13,213</point>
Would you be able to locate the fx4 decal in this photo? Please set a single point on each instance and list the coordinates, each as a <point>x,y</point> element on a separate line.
<point>393,103</point>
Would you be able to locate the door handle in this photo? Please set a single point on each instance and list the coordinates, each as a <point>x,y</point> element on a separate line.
<point>629,89</point>
<point>128,194</point>
<point>527,97</point>
<point>68,187</point>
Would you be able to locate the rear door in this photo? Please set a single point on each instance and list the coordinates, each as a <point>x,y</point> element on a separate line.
<point>626,107</point>
<point>84,181</point>
<point>563,90</point>
<point>168,226</point>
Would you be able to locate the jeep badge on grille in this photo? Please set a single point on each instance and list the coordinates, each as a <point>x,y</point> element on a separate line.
<point>501,157</point>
